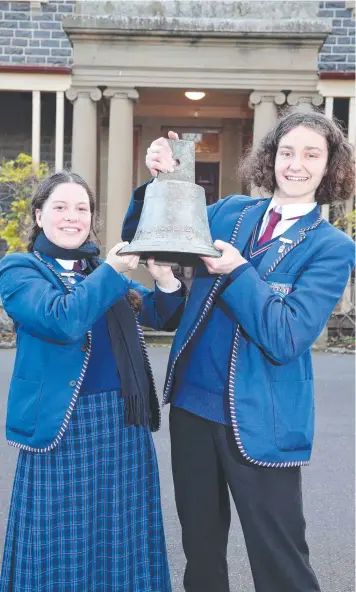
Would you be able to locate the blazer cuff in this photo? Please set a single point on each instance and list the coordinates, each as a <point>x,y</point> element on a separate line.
<point>239,270</point>
<point>139,193</point>
<point>180,292</point>
<point>178,287</point>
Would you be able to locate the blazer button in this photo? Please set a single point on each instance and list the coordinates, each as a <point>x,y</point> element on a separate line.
<point>72,383</point>
<point>84,347</point>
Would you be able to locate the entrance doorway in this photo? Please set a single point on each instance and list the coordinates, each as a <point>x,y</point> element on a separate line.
<point>207,176</point>
<point>207,171</point>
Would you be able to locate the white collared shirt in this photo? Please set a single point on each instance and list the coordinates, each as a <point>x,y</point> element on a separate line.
<point>287,211</point>
<point>69,264</point>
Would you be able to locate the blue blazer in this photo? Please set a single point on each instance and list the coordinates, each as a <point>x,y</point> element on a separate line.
<point>54,337</point>
<point>281,308</point>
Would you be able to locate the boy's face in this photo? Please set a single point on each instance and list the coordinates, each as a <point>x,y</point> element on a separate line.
<point>301,163</point>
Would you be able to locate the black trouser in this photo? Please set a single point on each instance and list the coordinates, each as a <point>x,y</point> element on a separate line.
<point>206,462</point>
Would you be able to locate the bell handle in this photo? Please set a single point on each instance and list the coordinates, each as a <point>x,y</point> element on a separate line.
<point>172,264</point>
<point>176,151</point>
<point>183,153</point>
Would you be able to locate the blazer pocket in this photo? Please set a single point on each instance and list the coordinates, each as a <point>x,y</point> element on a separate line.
<point>293,406</point>
<point>281,283</point>
<point>23,404</point>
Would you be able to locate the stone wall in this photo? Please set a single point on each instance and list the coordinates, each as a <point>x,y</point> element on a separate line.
<point>30,36</point>
<point>196,10</point>
<point>338,51</point>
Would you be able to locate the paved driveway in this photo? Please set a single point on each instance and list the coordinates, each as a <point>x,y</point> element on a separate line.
<point>328,482</point>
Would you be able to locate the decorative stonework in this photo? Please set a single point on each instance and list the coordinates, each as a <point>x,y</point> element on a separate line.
<point>73,93</point>
<point>121,93</point>
<point>295,98</point>
<point>32,32</point>
<point>209,17</point>
<point>257,97</point>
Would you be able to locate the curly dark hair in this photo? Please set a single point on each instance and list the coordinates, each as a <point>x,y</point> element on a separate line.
<point>42,193</point>
<point>337,185</point>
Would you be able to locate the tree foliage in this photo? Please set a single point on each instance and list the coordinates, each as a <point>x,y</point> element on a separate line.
<point>18,181</point>
<point>347,222</point>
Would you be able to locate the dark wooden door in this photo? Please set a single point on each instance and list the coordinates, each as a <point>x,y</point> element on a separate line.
<point>207,176</point>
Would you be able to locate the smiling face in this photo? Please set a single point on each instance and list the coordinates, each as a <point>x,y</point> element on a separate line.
<point>65,217</point>
<point>300,165</point>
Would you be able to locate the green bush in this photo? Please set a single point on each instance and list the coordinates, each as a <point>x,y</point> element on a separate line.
<point>20,178</point>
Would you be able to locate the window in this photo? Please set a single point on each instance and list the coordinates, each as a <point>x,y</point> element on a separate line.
<point>205,142</point>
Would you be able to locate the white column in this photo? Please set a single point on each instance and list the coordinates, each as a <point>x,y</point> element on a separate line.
<point>150,130</point>
<point>265,105</point>
<point>59,153</point>
<point>304,102</point>
<point>322,341</point>
<point>329,107</point>
<point>352,123</point>
<point>36,128</point>
<point>231,152</point>
<point>329,110</point>
<point>346,302</point>
<point>84,137</point>
<point>350,204</point>
<point>120,160</point>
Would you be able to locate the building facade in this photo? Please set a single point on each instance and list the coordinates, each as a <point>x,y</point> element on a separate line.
<point>91,84</point>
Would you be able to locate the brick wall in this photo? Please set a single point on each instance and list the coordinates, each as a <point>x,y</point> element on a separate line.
<point>35,37</point>
<point>338,51</point>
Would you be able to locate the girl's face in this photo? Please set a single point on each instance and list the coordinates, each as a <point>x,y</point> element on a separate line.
<point>65,217</point>
<point>300,164</point>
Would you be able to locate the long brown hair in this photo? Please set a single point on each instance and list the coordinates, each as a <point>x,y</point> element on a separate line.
<point>43,192</point>
<point>338,183</point>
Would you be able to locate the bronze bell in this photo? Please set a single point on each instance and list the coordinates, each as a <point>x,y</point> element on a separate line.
<point>173,226</point>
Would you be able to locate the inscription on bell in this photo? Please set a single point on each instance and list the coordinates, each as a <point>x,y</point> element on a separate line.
<point>170,232</point>
<point>174,225</point>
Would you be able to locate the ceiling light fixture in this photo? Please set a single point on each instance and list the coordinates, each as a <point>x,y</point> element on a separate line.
<point>194,95</point>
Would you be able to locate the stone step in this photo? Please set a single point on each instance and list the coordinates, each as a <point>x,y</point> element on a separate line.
<point>159,338</point>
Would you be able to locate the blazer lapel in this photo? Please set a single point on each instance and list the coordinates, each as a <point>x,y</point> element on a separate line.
<point>288,240</point>
<point>249,220</point>
<point>203,281</point>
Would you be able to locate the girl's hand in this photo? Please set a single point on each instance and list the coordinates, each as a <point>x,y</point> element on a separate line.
<point>122,263</point>
<point>159,156</point>
<point>163,275</point>
<point>230,259</point>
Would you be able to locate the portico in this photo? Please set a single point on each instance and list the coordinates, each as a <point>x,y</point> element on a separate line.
<point>132,67</point>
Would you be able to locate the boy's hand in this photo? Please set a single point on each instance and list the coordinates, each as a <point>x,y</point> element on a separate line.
<point>230,259</point>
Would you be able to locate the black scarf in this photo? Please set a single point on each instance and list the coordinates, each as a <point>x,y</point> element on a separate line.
<point>86,251</point>
<point>137,386</point>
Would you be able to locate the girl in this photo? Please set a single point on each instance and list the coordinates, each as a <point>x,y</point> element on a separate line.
<point>85,513</point>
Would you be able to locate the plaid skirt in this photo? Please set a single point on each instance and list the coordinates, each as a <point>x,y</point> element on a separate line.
<point>86,516</point>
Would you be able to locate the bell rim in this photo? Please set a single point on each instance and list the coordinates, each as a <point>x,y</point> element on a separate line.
<point>203,251</point>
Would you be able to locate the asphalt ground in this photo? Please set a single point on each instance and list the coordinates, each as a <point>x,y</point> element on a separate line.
<point>328,483</point>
